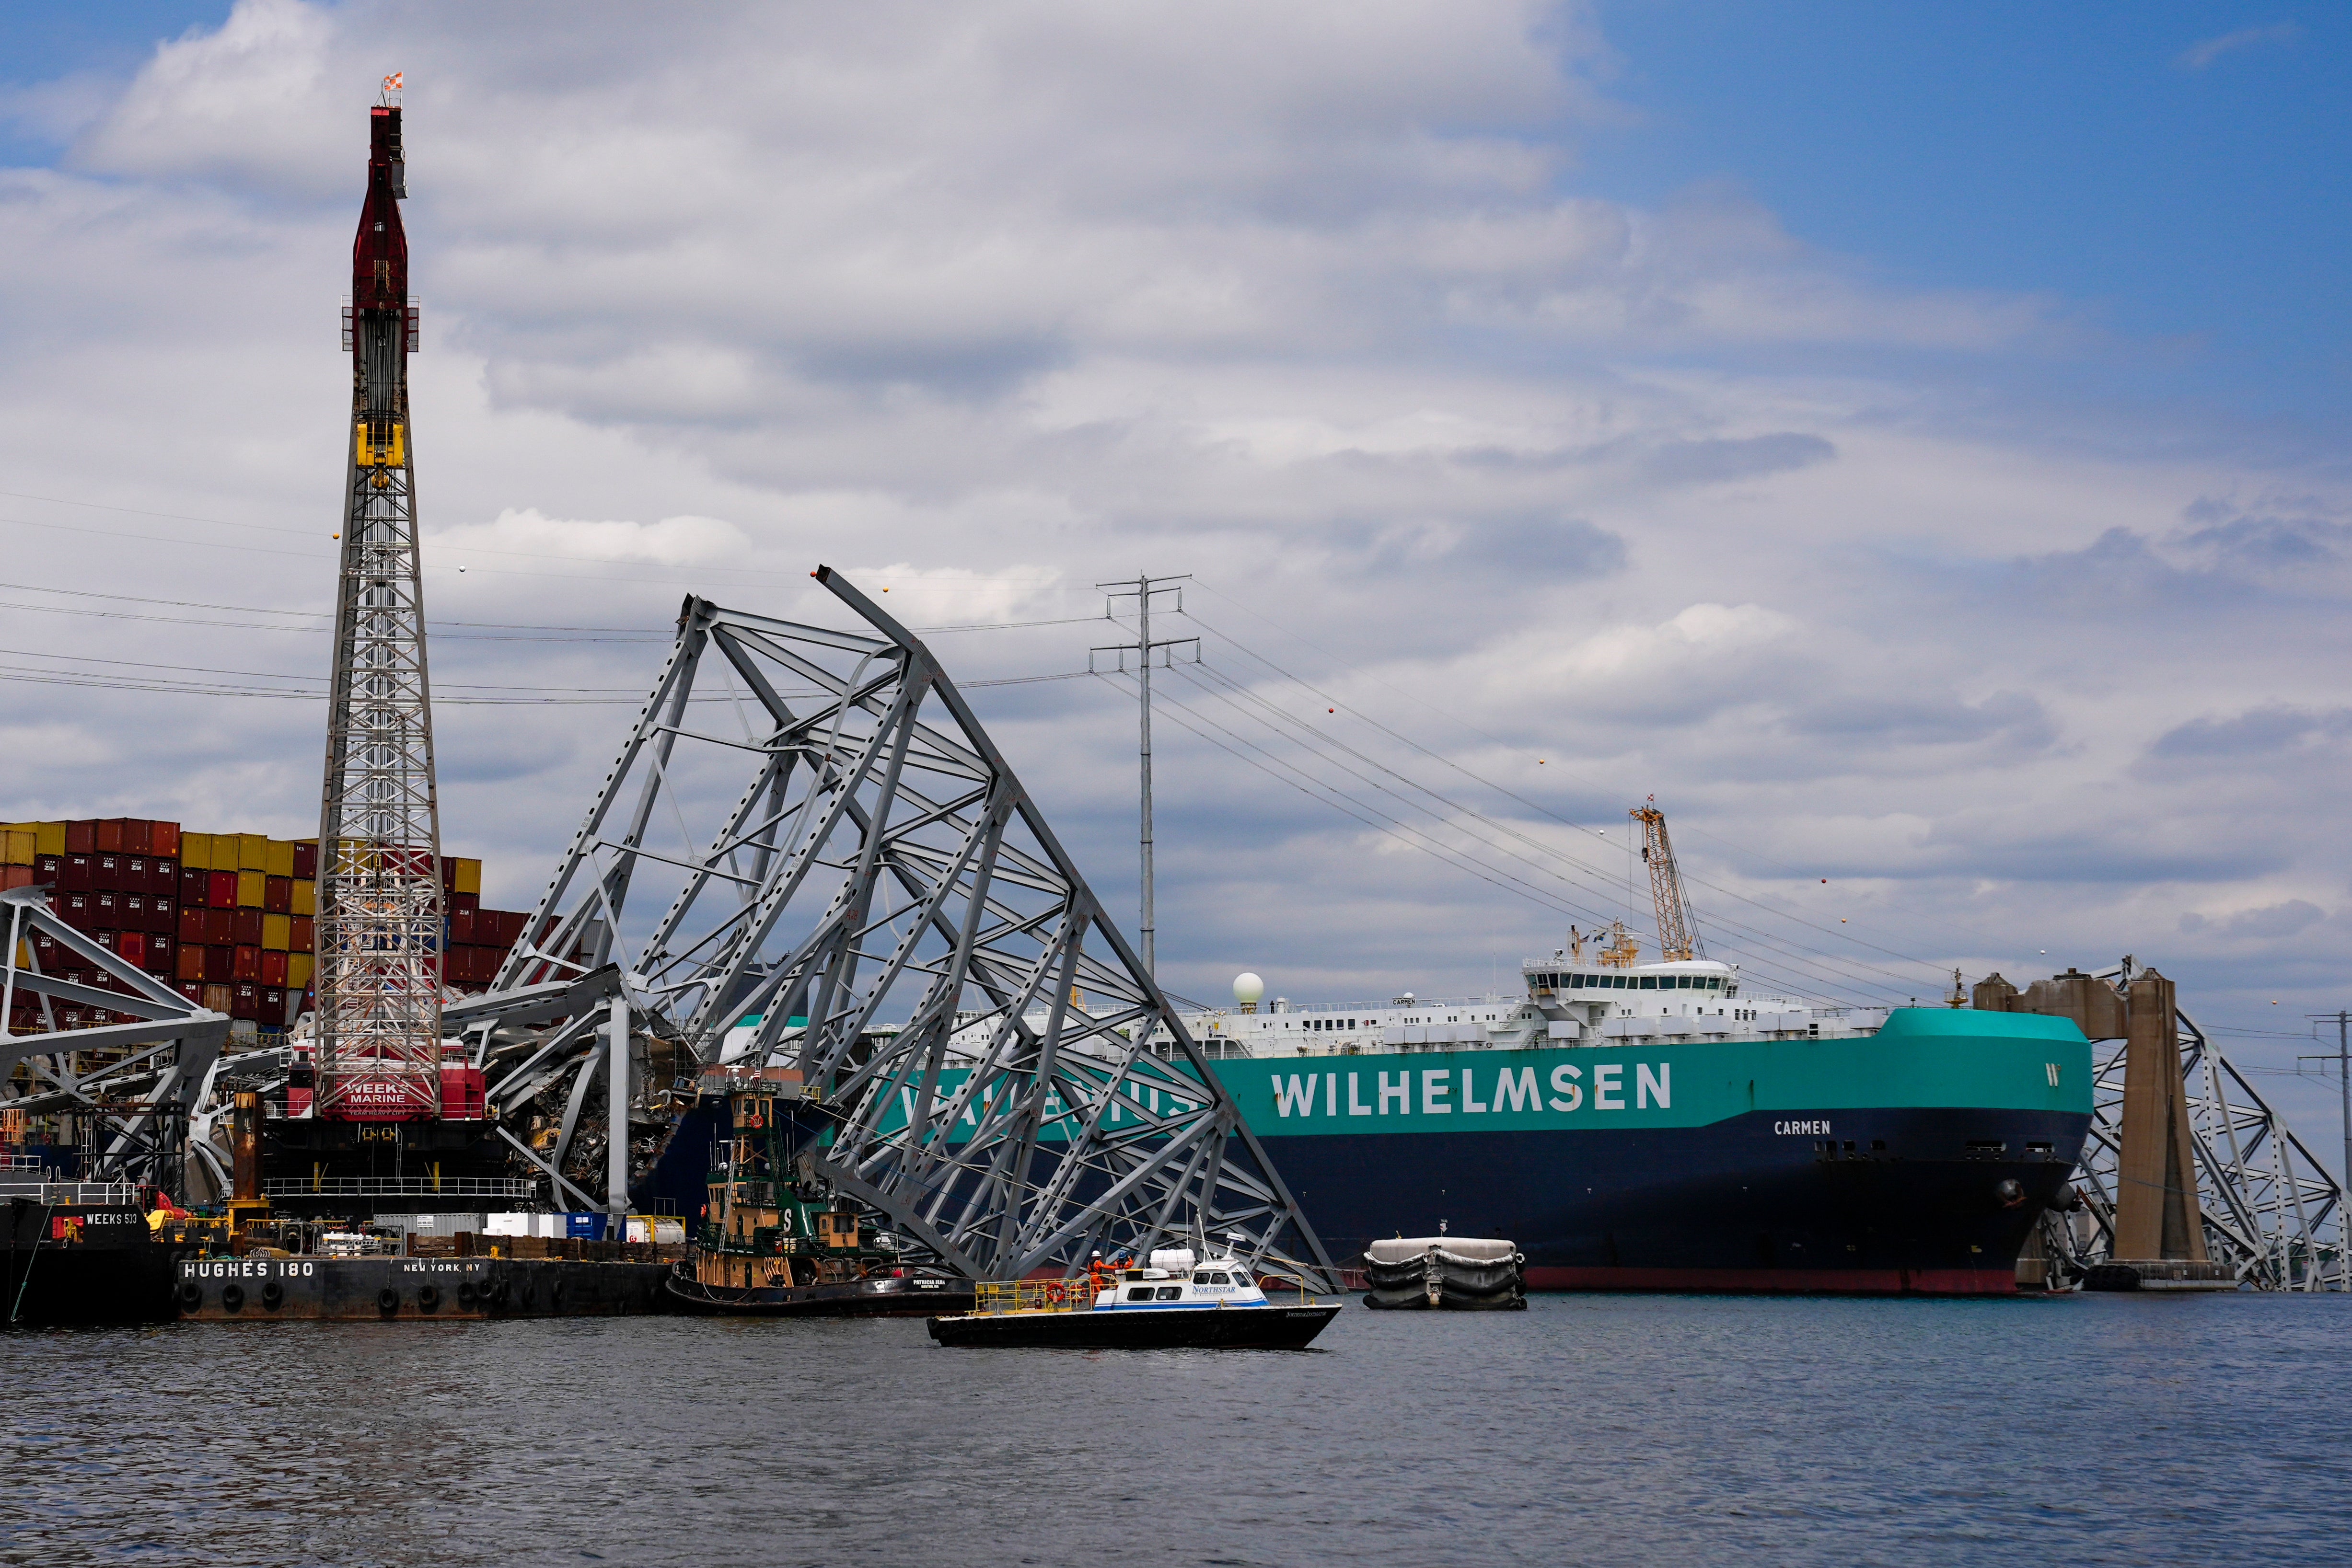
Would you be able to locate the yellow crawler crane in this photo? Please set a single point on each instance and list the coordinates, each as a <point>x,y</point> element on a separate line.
<point>1678,926</point>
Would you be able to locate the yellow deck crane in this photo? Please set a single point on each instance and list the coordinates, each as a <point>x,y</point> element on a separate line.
<point>1678,926</point>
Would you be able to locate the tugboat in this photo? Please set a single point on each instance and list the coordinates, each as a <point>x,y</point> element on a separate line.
<point>1174,1302</point>
<point>78,1252</point>
<point>770,1247</point>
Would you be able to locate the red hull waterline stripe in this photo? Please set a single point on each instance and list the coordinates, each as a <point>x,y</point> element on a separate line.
<point>1799,1281</point>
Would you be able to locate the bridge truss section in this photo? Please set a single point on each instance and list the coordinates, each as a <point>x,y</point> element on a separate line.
<point>810,859</point>
<point>134,1085</point>
<point>2270,1209</point>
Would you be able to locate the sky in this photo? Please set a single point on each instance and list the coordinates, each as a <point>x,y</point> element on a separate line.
<point>1907,441</point>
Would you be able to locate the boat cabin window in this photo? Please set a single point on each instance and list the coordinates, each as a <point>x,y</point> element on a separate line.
<point>1172,1292</point>
<point>1139,1292</point>
<point>1214,1279</point>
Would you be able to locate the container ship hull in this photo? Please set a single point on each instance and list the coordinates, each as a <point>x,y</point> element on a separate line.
<point>1913,1161</point>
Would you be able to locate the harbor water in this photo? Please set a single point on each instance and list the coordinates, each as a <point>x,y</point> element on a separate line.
<point>1600,1430</point>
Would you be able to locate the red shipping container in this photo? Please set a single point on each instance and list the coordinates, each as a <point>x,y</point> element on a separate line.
<point>164,839</point>
<point>161,948</point>
<point>449,871</point>
<point>192,925</point>
<point>130,909</point>
<point>75,910</point>
<point>471,902</point>
<point>106,871</point>
<point>220,965</point>
<point>163,912</point>
<point>245,1000</point>
<point>461,925</point>
<point>273,1005</point>
<point>192,989</point>
<point>132,947</point>
<point>106,936</point>
<point>195,887</point>
<point>16,876</point>
<point>163,876</point>
<point>76,874</point>
<point>245,962</point>
<point>273,967</point>
<point>220,888</point>
<point>245,925</point>
<point>106,910</point>
<point>108,839</point>
<point>220,927</point>
<point>48,953</point>
<point>49,868</point>
<point>306,859</point>
<point>81,838</point>
<point>302,933</point>
<point>138,836</point>
<point>189,966</point>
<point>136,869</point>
<point>278,894</point>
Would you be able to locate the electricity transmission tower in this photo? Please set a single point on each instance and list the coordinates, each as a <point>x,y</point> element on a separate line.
<point>379,932</point>
<point>1142,647</point>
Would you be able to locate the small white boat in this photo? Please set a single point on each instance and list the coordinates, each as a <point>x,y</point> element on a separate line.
<point>1174,1301</point>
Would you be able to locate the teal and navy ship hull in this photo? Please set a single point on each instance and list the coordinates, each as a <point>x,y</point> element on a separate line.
<point>1913,1160</point>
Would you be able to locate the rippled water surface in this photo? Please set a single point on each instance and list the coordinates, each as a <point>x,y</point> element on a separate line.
<point>1588,1429</point>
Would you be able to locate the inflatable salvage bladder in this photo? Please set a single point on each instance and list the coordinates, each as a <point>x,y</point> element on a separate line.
<point>1458,1273</point>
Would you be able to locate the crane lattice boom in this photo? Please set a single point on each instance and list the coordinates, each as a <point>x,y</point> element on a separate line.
<point>1678,926</point>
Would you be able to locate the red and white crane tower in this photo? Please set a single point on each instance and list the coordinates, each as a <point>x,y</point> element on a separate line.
<point>380,900</point>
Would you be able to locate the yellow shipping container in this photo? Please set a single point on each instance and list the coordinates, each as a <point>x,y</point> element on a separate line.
<point>49,838</point>
<point>297,970</point>
<point>19,845</point>
<point>469,877</point>
<point>252,852</point>
<point>251,888</point>
<point>195,852</point>
<point>276,933</point>
<point>281,857</point>
<point>306,896</point>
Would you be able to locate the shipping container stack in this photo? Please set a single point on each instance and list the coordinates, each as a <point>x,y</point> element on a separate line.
<point>228,918</point>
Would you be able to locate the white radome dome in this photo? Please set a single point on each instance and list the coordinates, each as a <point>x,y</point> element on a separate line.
<point>1248,988</point>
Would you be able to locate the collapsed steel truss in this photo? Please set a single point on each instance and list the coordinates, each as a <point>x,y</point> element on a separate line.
<point>856,887</point>
<point>134,1084</point>
<point>2271,1211</point>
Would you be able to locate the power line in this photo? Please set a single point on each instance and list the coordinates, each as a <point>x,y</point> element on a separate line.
<point>1842,969</point>
<point>1845,936</point>
<point>1832,975</point>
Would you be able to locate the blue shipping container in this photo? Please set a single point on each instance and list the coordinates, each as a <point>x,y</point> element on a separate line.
<point>587,1226</point>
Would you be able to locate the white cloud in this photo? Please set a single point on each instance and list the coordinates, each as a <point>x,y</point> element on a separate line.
<point>994,304</point>
<point>525,533</point>
<point>2198,56</point>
